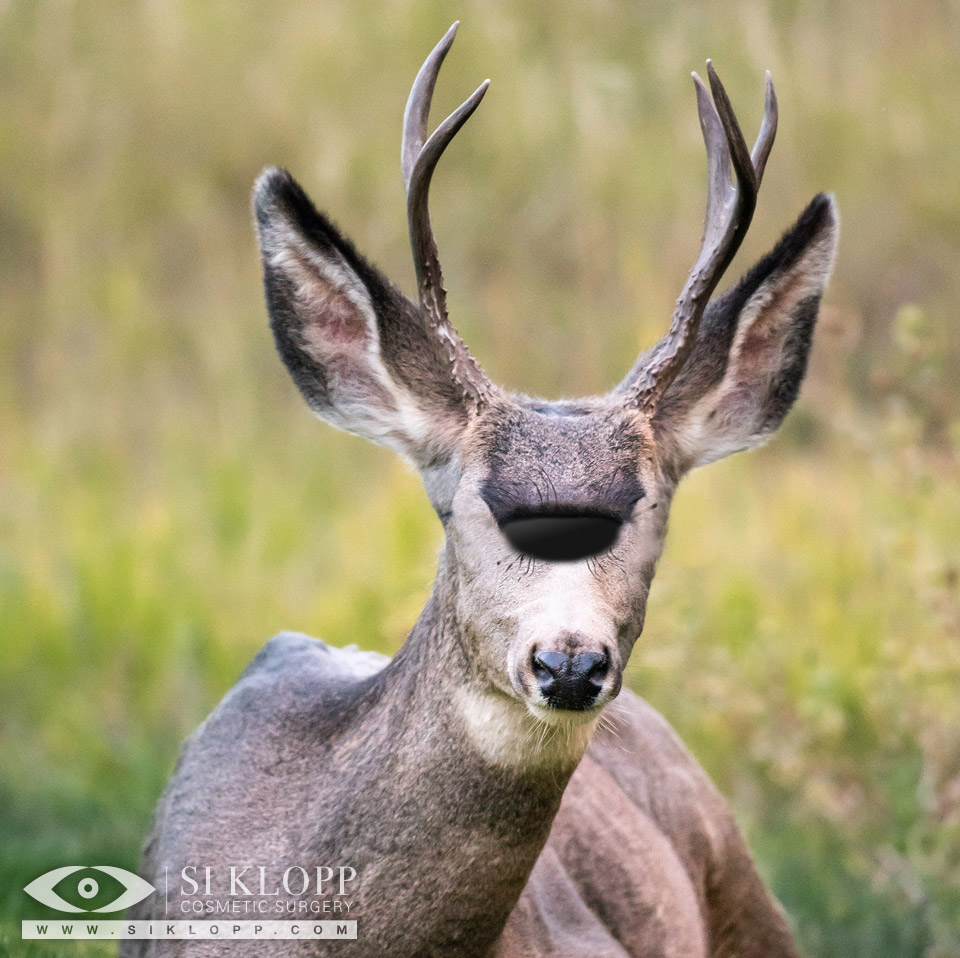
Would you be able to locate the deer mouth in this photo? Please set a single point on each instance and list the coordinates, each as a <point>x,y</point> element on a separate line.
<point>554,717</point>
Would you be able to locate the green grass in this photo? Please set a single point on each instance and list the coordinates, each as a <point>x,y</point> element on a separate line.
<point>166,503</point>
<point>11,944</point>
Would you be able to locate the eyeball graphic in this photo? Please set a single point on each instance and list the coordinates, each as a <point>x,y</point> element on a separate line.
<point>88,888</point>
<point>135,888</point>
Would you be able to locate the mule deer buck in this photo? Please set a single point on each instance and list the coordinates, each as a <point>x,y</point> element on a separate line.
<point>470,782</point>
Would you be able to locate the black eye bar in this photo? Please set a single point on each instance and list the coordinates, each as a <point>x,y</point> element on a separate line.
<point>561,537</point>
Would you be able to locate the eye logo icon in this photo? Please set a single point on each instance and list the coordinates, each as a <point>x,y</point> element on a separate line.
<point>42,888</point>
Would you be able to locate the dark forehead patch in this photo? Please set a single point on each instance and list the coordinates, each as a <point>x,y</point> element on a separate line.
<point>565,461</point>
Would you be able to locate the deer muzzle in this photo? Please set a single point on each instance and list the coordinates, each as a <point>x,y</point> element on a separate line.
<point>570,681</point>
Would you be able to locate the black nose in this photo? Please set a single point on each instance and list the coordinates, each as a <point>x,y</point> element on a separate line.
<point>570,681</point>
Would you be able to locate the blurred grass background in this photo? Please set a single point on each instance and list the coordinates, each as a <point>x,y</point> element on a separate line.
<point>167,503</point>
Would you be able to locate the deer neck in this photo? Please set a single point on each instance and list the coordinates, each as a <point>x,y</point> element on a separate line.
<point>466,790</point>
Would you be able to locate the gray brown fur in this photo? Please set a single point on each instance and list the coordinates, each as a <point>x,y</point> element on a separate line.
<point>302,762</point>
<point>480,819</point>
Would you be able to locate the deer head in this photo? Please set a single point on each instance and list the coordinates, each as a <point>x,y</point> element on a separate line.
<point>554,512</point>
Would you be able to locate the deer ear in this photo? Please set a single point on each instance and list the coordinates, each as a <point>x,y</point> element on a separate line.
<point>752,348</point>
<point>359,351</point>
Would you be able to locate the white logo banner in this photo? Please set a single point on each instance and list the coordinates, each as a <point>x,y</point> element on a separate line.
<point>88,928</point>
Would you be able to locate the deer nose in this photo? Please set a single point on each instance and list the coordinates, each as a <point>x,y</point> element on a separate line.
<point>570,681</point>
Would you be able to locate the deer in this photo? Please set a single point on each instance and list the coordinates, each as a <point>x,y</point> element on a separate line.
<point>494,787</point>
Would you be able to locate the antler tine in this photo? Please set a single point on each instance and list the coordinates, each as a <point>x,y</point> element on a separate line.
<point>768,129</point>
<point>740,155</point>
<point>418,159</point>
<point>729,210</point>
<point>417,111</point>
<point>418,189</point>
<point>718,159</point>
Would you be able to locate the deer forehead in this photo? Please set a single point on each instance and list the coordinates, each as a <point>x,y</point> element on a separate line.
<point>563,456</point>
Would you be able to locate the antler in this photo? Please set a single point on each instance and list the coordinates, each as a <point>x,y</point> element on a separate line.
<point>419,156</point>
<point>726,221</point>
